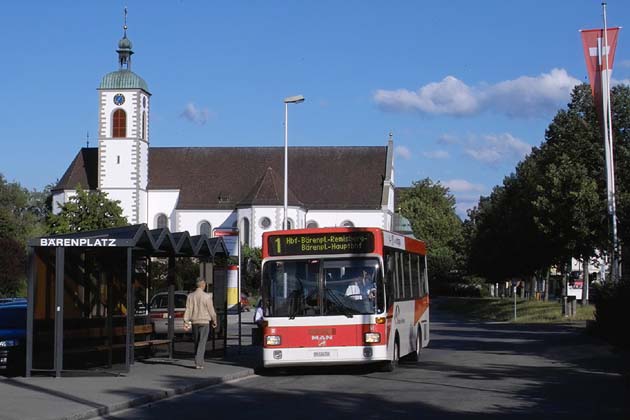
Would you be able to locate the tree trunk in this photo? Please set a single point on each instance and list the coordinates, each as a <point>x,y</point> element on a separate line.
<point>585,283</point>
<point>547,275</point>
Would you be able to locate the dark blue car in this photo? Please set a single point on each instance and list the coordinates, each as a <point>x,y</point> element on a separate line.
<point>13,337</point>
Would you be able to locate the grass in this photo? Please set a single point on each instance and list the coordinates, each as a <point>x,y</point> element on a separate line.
<point>527,311</point>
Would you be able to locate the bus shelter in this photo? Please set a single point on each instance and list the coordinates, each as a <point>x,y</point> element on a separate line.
<point>83,312</point>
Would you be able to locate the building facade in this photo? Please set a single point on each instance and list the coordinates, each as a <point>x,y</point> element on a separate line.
<point>202,189</point>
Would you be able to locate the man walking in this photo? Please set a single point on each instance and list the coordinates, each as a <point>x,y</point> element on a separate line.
<point>200,313</point>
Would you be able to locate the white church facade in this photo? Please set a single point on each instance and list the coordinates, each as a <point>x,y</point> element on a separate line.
<point>204,189</point>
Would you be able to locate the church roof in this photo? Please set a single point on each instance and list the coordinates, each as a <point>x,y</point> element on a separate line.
<point>123,79</point>
<point>230,177</point>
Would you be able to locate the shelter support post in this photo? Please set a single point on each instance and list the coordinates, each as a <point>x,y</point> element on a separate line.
<point>171,302</point>
<point>60,254</point>
<point>30,310</point>
<point>129,354</point>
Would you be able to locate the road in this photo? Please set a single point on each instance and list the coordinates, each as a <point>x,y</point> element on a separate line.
<point>470,370</point>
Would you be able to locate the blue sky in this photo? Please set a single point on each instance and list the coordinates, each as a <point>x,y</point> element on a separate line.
<point>466,88</point>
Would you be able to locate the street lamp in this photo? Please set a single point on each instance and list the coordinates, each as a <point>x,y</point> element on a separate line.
<point>290,100</point>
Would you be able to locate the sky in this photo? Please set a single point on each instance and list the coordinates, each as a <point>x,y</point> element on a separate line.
<point>466,88</point>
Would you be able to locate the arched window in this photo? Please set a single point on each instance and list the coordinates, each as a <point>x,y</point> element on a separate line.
<point>161,221</point>
<point>311,224</point>
<point>144,125</point>
<point>290,224</point>
<point>205,228</point>
<point>347,223</point>
<point>245,230</point>
<point>120,123</point>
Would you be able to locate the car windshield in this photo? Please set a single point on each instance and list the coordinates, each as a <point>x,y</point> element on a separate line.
<point>161,301</point>
<point>13,318</point>
<point>299,288</point>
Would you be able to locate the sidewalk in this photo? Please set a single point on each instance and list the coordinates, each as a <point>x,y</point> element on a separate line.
<point>90,396</point>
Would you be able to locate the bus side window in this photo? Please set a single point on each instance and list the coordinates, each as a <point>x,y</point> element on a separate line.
<point>400,269</point>
<point>423,280</point>
<point>415,276</point>
<point>390,284</point>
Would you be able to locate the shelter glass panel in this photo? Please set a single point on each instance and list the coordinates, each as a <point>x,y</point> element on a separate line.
<point>44,309</point>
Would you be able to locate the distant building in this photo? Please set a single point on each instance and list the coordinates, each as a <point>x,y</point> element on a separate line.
<point>200,189</point>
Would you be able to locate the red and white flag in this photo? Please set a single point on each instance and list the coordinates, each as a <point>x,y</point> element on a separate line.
<point>599,59</point>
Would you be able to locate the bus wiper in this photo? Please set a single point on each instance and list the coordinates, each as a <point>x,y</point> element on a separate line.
<point>338,303</point>
<point>294,304</point>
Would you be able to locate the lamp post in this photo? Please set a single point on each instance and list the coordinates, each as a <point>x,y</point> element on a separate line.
<point>289,100</point>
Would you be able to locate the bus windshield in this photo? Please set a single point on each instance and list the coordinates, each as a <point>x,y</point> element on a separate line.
<point>316,287</point>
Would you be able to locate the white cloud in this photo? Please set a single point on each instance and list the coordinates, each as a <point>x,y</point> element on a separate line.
<point>197,115</point>
<point>448,139</point>
<point>450,96</point>
<point>436,154</point>
<point>616,82</point>
<point>524,96</point>
<point>462,186</point>
<point>494,148</point>
<point>402,152</point>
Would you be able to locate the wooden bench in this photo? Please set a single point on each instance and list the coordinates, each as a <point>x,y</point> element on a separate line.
<point>146,330</point>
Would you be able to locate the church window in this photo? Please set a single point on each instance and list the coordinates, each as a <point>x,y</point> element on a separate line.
<point>205,228</point>
<point>245,230</point>
<point>311,224</point>
<point>290,224</point>
<point>265,222</point>
<point>144,124</point>
<point>120,123</point>
<point>161,221</point>
<point>347,223</point>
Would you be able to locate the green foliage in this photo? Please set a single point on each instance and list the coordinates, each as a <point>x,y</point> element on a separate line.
<point>20,217</point>
<point>553,207</point>
<point>251,261</point>
<point>12,267</point>
<point>430,207</point>
<point>87,210</point>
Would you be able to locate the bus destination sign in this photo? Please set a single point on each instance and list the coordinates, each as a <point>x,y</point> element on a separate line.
<point>321,243</point>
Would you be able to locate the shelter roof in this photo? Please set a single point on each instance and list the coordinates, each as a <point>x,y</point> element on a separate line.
<point>158,242</point>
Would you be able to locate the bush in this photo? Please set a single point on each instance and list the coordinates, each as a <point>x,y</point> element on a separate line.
<point>611,312</point>
<point>457,285</point>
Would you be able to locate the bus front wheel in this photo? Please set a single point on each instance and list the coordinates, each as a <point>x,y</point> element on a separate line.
<point>390,365</point>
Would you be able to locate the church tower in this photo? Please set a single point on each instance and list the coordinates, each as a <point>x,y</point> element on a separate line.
<point>123,135</point>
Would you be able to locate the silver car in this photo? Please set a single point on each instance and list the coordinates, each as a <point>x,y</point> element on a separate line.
<point>158,312</point>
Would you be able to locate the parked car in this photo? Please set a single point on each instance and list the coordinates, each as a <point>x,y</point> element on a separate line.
<point>13,337</point>
<point>158,312</point>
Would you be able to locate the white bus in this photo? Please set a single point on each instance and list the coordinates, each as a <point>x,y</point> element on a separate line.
<point>343,296</point>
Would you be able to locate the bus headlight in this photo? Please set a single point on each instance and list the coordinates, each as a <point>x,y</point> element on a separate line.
<point>372,337</point>
<point>273,340</point>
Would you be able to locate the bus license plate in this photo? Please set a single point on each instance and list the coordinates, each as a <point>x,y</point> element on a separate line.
<point>321,354</point>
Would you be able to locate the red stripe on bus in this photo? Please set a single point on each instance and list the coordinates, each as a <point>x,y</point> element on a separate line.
<point>325,335</point>
<point>421,306</point>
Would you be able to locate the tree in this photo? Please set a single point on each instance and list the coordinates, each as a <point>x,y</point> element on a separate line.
<point>12,267</point>
<point>18,220</point>
<point>87,210</point>
<point>553,208</point>
<point>430,207</point>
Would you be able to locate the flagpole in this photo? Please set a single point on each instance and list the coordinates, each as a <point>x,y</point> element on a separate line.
<point>610,163</point>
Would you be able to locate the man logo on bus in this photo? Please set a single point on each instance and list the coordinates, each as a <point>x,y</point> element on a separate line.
<point>321,339</point>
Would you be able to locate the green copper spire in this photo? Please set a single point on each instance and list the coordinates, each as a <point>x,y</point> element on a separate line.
<point>124,48</point>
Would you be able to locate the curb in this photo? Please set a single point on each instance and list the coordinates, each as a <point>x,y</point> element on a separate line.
<point>157,396</point>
